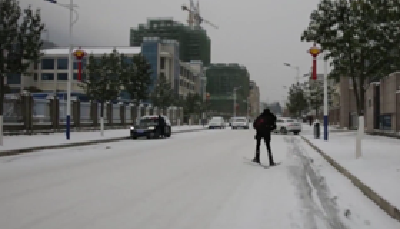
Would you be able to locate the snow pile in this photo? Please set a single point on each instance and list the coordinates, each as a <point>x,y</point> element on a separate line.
<point>355,210</point>
<point>379,166</point>
<point>26,141</point>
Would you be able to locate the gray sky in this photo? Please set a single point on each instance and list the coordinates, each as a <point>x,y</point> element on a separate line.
<point>259,34</point>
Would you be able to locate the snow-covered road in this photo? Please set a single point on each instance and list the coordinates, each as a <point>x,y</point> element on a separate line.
<point>193,180</point>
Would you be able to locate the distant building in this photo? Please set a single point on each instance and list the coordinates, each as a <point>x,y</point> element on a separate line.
<point>48,45</point>
<point>194,43</point>
<point>275,108</point>
<point>51,74</point>
<point>221,80</point>
<point>254,99</point>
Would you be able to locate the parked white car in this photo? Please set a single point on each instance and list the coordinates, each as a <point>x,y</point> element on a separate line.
<point>286,125</point>
<point>217,122</point>
<point>239,123</point>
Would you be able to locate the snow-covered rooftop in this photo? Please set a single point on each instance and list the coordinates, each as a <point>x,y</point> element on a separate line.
<point>94,50</point>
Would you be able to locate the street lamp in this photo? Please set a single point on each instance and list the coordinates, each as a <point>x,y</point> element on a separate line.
<point>72,10</point>
<point>234,99</point>
<point>326,131</point>
<point>297,71</point>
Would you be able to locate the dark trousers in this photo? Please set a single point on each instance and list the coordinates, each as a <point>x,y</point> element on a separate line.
<point>162,130</point>
<point>267,141</point>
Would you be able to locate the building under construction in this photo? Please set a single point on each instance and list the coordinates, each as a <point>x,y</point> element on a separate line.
<point>194,44</point>
<point>221,81</point>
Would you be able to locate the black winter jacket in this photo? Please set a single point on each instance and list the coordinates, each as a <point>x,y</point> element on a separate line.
<point>267,123</point>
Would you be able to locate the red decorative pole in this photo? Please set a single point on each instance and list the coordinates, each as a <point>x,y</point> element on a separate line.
<point>79,54</point>
<point>314,51</point>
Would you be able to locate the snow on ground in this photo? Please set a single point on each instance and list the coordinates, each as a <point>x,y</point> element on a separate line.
<point>193,180</point>
<point>26,141</point>
<point>363,213</point>
<point>379,166</point>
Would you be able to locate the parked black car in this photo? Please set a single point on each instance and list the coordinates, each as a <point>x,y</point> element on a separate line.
<point>149,127</point>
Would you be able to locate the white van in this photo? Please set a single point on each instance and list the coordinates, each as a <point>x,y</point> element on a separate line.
<point>216,122</point>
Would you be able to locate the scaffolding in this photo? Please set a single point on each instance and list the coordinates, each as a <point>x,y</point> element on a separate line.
<point>194,44</point>
<point>221,80</point>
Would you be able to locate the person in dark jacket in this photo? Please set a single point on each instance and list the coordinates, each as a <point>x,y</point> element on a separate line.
<point>161,125</point>
<point>264,125</point>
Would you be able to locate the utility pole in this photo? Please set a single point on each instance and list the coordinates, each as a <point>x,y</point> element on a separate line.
<point>234,100</point>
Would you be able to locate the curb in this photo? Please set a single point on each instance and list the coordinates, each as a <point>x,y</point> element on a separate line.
<point>14,152</point>
<point>372,195</point>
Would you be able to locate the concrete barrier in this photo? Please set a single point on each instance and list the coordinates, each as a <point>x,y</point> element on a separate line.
<point>390,209</point>
<point>14,152</point>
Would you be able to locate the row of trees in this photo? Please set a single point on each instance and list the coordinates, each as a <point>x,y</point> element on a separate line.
<point>360,37</point>
<point>20,42</point>
<point>106,77</point>
<point>306,99</point>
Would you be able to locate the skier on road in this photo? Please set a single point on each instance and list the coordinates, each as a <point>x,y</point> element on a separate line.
<point>264,125</point>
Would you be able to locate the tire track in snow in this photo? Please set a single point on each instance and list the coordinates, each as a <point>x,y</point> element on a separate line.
<point>312,189</point>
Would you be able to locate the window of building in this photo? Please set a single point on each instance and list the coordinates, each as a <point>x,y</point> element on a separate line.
<point>47,76</point>
<point>83,76</point>
<point>62,76</point>
<point>13,78</point>
<point>48,64</point>
<point>83,64</point>
<point>35,77</point>
<point>62,63</point>
<point>162,63</point>
<point>386,122</point>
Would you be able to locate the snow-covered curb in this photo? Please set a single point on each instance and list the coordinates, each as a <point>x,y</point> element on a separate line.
<point>24,150</point>
<point>390,209</point>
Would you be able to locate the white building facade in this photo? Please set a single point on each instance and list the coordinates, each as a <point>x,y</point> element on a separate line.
<point>51,73</point>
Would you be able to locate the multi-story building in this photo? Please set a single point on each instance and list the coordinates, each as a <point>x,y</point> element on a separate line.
<point>221,81</point>
<point>381,104</point>
<point>254,99</point>
<point>263,106</point>
<point>199,69</point>
<point>51,74</point>
<point>194,43</point>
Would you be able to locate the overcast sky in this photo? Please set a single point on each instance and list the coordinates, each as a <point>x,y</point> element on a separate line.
<point>259,34</point>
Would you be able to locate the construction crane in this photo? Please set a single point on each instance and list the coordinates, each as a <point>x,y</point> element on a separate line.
<point>194,18</point>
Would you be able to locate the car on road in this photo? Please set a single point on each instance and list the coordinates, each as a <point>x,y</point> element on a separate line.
<point>240,123</point>
<point>148,126</point>
<point>286,125</point>
<point>217,122</point>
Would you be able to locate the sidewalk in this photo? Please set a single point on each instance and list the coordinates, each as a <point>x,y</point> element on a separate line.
<point>25,142</point>
<point>379,166</point>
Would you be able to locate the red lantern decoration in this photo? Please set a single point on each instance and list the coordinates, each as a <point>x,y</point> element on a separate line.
<point>314,51</point>
<point>79,54</point>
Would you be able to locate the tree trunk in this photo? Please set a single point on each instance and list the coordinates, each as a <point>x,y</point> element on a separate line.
<point>359,94</point>
<point>1,107</point>
<point>102,118</point>
<point>2,88</point>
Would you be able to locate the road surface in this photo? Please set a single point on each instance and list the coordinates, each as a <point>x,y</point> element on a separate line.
<point>193,180</point>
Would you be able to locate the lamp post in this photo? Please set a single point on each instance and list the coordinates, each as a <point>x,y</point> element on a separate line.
<point>326,134</point>
<point>297,71</point>
<point>72,10</point>
<point>326,117</point>
<point>207,105</point>
<point>234,100</point>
